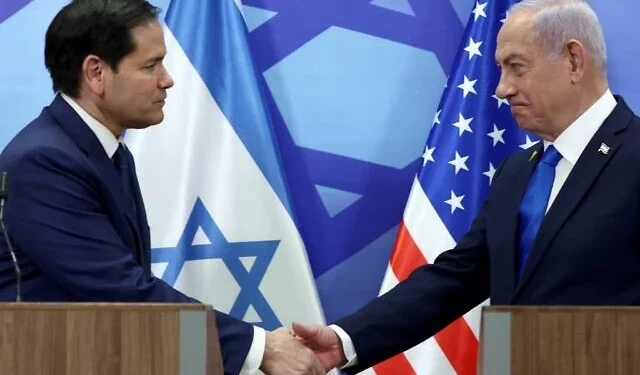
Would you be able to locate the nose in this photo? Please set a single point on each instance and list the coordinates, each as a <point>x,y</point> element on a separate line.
<point>505,89</point>
<point>166,81</point>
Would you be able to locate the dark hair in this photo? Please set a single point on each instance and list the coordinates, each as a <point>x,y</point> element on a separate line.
<point>85,27</point>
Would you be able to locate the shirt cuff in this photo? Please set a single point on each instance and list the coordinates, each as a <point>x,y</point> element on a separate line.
<point>252,363</point>
<point>347,346</point>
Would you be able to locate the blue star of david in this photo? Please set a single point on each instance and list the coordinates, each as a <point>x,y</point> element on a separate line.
<point>230,253</point>
<point>351,230</point>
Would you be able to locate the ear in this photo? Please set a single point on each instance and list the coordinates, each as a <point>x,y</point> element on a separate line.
<point>577,56</point>
<point>93,74</point>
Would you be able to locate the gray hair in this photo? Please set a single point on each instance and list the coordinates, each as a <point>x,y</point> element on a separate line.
<point>555,22</point>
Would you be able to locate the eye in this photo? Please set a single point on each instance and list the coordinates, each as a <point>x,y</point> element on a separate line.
<point>518,68</point>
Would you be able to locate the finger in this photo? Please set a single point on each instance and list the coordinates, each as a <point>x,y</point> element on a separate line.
<point>306,332</point>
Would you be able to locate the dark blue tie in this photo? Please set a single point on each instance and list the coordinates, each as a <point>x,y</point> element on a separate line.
<point>534,204</point>
<point>124,165</point>
<point>123,161</point>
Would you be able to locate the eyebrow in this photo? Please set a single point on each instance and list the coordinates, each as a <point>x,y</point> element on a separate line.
<point>510,57</point>
<point>154,59</point>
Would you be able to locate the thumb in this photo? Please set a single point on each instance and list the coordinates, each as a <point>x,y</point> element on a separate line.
<point>304,331</point>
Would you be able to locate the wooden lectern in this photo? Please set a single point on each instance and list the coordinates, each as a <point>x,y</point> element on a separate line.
<point>559,341</point>
<point>108,339</point>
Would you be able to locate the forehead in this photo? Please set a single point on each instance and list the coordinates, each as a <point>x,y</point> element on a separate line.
<point>148,39</point>
<point>515,37</point>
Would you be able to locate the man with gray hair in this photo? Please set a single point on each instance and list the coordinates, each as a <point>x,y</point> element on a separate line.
<point>560,225</point>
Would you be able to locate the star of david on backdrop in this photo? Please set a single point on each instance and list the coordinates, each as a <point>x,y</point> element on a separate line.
<point>382,203</point>
<point>230,253</point>
<point>385,201</point>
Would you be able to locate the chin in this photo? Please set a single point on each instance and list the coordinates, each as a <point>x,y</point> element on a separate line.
<point>522,123</point>
<point>158,120</point>
<point>145,123</point>
<point>155,120</point>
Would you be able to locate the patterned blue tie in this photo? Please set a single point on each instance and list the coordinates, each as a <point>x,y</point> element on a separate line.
<point>534,203</point>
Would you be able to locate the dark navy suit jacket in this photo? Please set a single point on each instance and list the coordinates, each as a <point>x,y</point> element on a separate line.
<point>587,251</point>
<point>75,229</point>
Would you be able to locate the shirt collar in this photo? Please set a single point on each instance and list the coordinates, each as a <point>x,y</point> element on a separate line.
<point>108,141</point>
<point>574,139</point>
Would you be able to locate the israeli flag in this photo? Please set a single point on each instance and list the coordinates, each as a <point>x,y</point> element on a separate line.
<point>221,227</point>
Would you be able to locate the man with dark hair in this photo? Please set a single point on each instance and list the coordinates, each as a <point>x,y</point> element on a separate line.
<point>76,216</point>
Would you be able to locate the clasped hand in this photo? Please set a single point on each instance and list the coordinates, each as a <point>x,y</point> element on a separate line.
<point>303,350</point>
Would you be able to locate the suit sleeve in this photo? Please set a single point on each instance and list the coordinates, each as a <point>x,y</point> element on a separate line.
<point>55,217</point>
<point>433,296</point>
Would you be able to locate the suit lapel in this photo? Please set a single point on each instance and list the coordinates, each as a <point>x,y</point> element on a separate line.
<point>86,140</point>
<point>583,175</point>
<point>508,220</point>
<point>124,197</point>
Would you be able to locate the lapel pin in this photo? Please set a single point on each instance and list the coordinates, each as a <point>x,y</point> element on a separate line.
<point>533,155</point>
<point>604,149</point>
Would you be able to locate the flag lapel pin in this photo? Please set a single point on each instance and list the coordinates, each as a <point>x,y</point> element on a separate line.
<point>604,149</point>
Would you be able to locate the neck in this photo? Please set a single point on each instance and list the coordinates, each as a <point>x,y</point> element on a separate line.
<point>103,118</point>
<point>585,97</point>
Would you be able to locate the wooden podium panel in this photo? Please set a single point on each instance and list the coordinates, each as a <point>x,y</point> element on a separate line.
<point>560,341</point>
<point>108,339</point>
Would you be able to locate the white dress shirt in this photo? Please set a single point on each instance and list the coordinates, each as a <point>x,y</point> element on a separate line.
<point>110,144</point>
<point>574,139</point>
<point>108,141</point>
<point>570,144</point>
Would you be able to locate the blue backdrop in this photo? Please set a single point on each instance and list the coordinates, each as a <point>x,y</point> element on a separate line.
<point>352,87</point>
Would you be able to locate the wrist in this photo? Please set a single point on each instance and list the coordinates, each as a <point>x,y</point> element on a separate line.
<point>269,349</point>
<point>342,359</point>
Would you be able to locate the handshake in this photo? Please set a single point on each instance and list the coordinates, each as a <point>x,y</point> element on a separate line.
<point>303,350</point>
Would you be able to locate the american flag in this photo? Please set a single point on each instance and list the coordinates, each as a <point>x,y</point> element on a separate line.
<point>473,131</point>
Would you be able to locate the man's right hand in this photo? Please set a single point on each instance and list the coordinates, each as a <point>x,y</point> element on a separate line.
<point>324,342</point>
<point>285,355</point>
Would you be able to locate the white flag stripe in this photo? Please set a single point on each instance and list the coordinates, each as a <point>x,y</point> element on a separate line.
<point>473,318</point>
<point>428,358</point>
<point>389,281</point>
<point>195,153</point>
<point>432,238</point>
<point>423,223</point>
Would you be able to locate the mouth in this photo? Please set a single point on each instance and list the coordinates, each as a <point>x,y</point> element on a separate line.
<point>162,99</point>
<point>517,107</point>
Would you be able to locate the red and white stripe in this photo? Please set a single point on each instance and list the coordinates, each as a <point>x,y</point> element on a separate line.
<point>422,237</point>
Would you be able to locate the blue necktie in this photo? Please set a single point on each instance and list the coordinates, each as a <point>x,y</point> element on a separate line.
<point>534,204</point>
<point>123,163</point>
